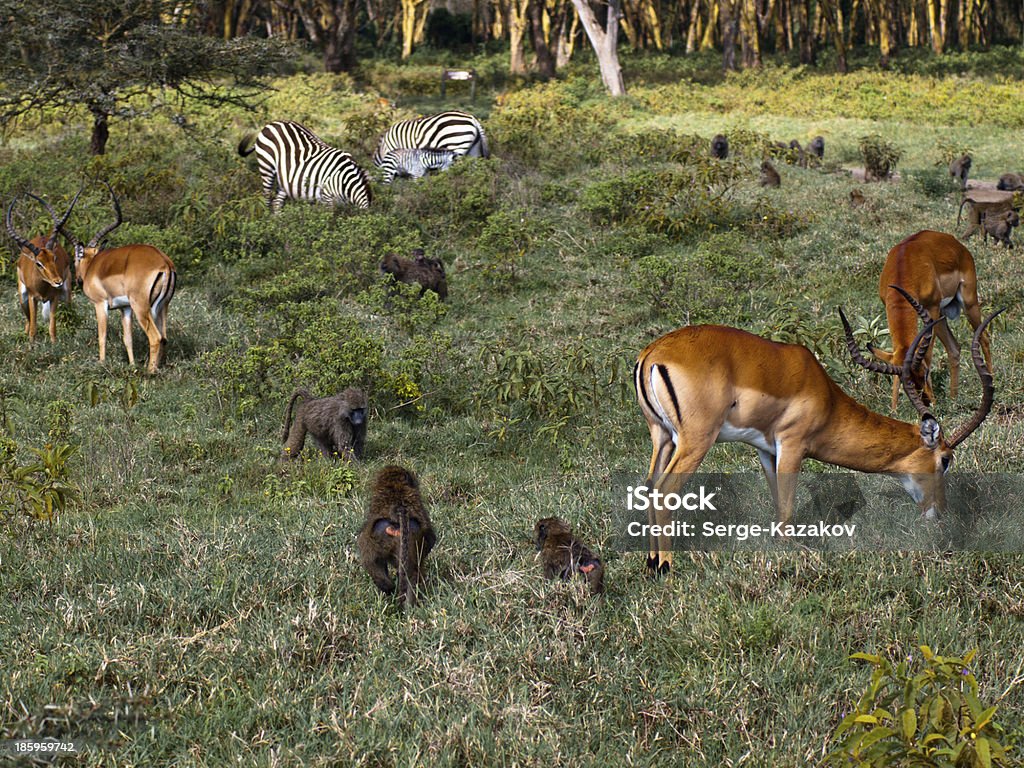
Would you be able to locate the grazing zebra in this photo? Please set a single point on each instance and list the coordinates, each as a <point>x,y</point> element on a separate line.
<point>456,131</point>
<point>415,162</point>
<point>302,167</point>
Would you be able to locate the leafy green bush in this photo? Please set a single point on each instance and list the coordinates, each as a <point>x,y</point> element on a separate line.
<point>676,202</point>
<point>880,157</point>
<point>39,489</point>
<point>503,241</point>
<point>921,712</point>
<point>548,128</point>
<point>453,201</point>
<point>713,284</point>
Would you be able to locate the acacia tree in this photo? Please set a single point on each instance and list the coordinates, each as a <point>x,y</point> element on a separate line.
<point>119,60</point>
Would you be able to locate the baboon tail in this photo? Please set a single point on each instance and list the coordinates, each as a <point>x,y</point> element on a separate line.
<point>301,392</point>
<point>960,212</point>
<point>405,587</point>
<point>246,145</point>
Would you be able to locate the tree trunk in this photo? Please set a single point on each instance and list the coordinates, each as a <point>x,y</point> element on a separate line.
<point>692,30</point>
<point>517,22</point>
<point>833,12</point>
<point>100,131</point>
<point>728,24</point>
<point>566,39</point>
<point>750,41</point>
<point>545,62</point>
<point>605,43</point>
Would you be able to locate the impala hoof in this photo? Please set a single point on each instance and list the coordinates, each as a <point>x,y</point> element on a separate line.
<point>656,569</point>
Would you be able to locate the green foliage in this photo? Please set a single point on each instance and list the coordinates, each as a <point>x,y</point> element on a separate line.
<point>949,150</point>
<point>519,380</point>
<point>713,284</point>
<point>40,489</point>
<point>504,240</point>
<point>548,128</point>
<point>411,312</point>
<point>921,712</point>
<point>880,157</point>
<point>308,476</point>
<point>675,202</point>
<point>456,200</point>
<point>653,146</point>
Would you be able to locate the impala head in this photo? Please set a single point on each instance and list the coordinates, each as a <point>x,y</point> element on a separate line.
<point>86,253</point>
<point>925,469</point>
<point>41,254</point>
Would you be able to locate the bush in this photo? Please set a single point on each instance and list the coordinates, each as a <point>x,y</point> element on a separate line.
<point>451,202</point>
<point>924,712</point>
<point>880,157</point>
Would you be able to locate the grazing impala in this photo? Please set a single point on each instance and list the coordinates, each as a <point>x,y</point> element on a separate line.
<point>938,271</point>
<point>137,279</point>
<point>705,384</point>
<point>44,270</point>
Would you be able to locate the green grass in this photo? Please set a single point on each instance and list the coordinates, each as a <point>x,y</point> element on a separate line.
<point>201,605</point>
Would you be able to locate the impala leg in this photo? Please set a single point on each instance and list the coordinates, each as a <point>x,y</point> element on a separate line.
<point>973,313</point>
<point>685,459</point>
<point>152,331</point>
<point>661,439</point>
<point>952,353</point>
<point>787,468</point>
<point>52,312</point>
<point>30,326</point>
<point>126,333</point>
<point>101,328</point>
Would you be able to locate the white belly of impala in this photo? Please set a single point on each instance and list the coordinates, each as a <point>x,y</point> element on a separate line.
<point>730,434</point>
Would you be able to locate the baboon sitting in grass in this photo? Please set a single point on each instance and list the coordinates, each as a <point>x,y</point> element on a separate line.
<point>427,273</point>
<point>564,556</point>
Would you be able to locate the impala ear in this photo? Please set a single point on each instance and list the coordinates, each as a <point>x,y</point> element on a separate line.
<point>930,430</point>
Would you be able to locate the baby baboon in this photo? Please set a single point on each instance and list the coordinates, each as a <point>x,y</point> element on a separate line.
<point>564,556</point>
<point>1000,225</point>
<point>817,147</point>
<point>769,176</point>
<point>428,273</point>
<point>337,424</point>
<point>857,198</point>
<point>959,168</point>
<point>720,147</point>
<point>397,533</point>
<point>1011,182</point>
<point>978,210</point>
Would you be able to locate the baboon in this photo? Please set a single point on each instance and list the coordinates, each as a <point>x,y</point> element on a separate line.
<point>428,273</point>
<point>720,147</point>
<point>1000,225</point>
<point>817,147</point>
<point>857,198</point>
<point>769,176</point>
<point>959,168</point>
<point>978,210</point>
<point>797,154</point>
<point>396,533</point>
<point>564,556</point>
<point>1011,182</point>
<point>337,424</point>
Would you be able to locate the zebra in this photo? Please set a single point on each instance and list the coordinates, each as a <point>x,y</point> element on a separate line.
<point>459,132</point>
<point>302,167</point>
<point>415,162</point>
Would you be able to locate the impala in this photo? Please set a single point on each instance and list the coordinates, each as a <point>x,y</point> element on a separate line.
<point>137,279</point>
<point>705,384</point>
<point>44,270</point>
<point>938,271</point>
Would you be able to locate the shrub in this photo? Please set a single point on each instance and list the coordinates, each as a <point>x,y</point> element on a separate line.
<point>920,712</point>
<point>453,201</point>
<point>39,489</point>
<point>880,157</point>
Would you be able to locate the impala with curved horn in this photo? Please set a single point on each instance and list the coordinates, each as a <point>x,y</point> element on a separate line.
<point>43,267</point>
<point>137,279</point>
<point>938,271</point>
<point>708,384</point>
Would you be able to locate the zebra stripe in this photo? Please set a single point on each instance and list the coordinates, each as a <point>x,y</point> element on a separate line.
<point>459,132</point>
<point>302,167</point>
<point>415,162</point>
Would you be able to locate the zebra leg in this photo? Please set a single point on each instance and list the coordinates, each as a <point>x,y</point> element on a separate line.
<point>277,201</point>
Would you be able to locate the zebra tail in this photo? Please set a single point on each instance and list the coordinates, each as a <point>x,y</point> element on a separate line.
<point>485,150</point>
<point>246,140</point>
